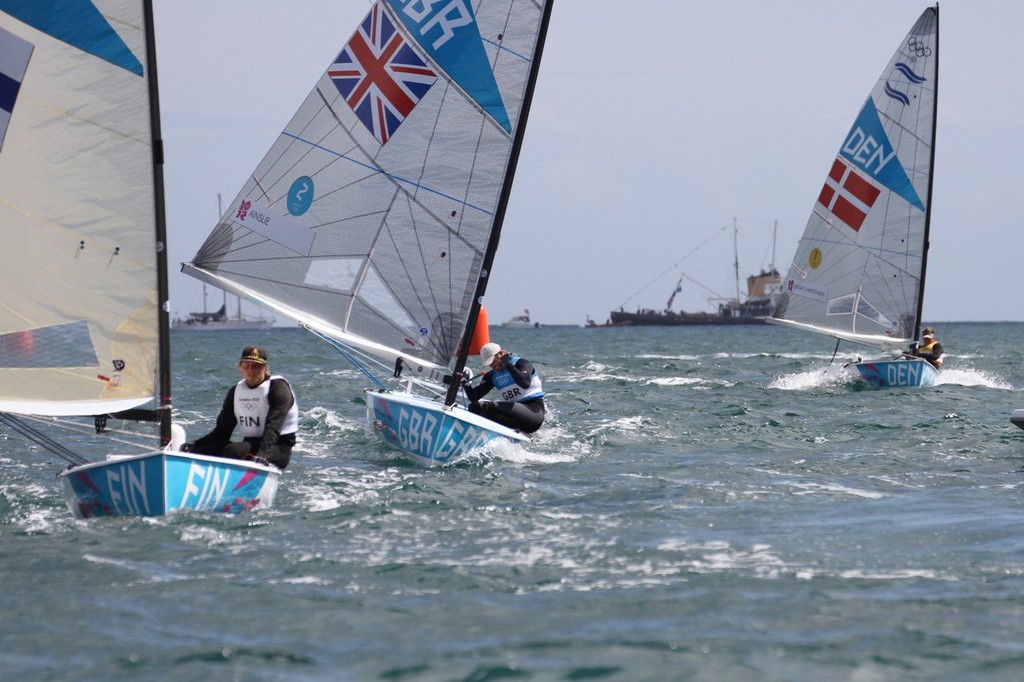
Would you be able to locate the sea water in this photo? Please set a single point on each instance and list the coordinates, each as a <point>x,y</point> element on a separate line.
<point>702,504</point>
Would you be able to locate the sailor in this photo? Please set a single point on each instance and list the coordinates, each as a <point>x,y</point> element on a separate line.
<point>522,397</point>
<point>930,350</point>
<point>264,408</point>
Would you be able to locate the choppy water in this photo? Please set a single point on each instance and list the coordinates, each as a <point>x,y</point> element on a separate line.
<point>704,504</point>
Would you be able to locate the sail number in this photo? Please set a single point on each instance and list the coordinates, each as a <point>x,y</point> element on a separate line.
<point>424,434</point>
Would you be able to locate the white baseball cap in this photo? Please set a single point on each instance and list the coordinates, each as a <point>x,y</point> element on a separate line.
<point>487,354</point>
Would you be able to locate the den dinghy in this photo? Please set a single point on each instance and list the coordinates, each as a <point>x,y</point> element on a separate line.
<point>859,270</point>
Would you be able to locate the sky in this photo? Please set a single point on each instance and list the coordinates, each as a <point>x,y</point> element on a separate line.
<point>657,129</point>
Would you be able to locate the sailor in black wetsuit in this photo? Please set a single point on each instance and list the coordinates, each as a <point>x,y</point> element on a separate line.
<point>522,396</point>
<point>264,408</point>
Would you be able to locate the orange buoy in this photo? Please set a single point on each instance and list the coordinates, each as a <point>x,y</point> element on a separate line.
<point>481,333</point>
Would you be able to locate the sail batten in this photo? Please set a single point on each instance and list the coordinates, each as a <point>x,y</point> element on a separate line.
<point>858,272</point>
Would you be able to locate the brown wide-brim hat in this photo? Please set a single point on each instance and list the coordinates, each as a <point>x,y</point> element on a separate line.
<point>254,354</point>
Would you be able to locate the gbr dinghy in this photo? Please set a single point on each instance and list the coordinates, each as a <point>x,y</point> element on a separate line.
<point>374,218</point>
<point>84,324</point>
<point>859,271</point>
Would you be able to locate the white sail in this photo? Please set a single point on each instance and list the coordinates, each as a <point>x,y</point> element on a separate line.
<point>369,218</point>
<point>858,273</point>
<point>79,318</point>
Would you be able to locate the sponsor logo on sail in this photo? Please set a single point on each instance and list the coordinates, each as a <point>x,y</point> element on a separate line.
<point>802,289</point>
<point>283,229</point>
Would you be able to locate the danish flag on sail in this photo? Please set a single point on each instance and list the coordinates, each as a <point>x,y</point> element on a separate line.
<point>847,195</point>
<point>380,75</point>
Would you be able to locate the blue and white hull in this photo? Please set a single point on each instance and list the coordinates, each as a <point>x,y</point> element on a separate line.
<point>157,483</point>
<point>430,434</point>
<point>905,373</point>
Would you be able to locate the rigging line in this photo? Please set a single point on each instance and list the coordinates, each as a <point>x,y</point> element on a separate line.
<point>41,439</point>
<point>676,264</point>
<point>835,351</point>
<point>348,355</point>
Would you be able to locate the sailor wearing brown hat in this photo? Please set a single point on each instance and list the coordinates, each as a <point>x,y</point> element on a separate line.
<point>264,408</point>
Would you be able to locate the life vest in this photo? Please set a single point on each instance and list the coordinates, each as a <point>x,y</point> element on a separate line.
<point>252,405</point>
<point>928,348</point>
<point>510,390</point>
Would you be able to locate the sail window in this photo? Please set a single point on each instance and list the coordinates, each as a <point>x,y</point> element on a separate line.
<point>338,274</point>
<point>377,295</point>
<point>59,345</point>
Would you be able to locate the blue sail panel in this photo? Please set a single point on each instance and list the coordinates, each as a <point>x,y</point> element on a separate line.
<point>77,23</point>
<point>450,35</point>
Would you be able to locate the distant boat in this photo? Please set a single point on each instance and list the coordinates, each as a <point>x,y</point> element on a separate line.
<point>221,321</point>
<point>763,292</point>
<point>521,321</point>
<point>593,324</point>
<point>859,270</point>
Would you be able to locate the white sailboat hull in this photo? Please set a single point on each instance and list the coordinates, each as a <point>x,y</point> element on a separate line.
<point>157,483</point>
<point>229,326</point>
<point>428,433</point>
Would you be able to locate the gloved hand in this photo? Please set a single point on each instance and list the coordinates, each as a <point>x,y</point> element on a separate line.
<point>506,360</point>
<point>187,447</point>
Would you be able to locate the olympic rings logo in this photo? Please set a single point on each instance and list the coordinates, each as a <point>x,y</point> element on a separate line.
<point>919,48</point>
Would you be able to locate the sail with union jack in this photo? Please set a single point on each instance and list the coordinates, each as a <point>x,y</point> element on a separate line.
<point>380,75</point>
<point>379,208</point>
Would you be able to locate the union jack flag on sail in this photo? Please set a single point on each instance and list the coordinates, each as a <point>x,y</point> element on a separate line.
<point>847,195</point>
<point>380,75</point>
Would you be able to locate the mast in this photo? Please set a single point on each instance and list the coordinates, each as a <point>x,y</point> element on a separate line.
<point>492,243</point>
<point>773,296</point>
<point>736,257</point>
<point>931,180</point>
<point>163,290</point>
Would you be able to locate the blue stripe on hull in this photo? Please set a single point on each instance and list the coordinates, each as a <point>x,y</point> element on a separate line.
<point>898,373</point>
<point>431,435</point>
<point>158,483</point>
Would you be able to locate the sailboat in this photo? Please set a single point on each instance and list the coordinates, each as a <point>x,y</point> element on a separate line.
<point>522,321</point>
<point>84,325</point>
<point>221,321</point>
<point>859,271</point>
<point>375,217</point>
<point>206,321</point>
